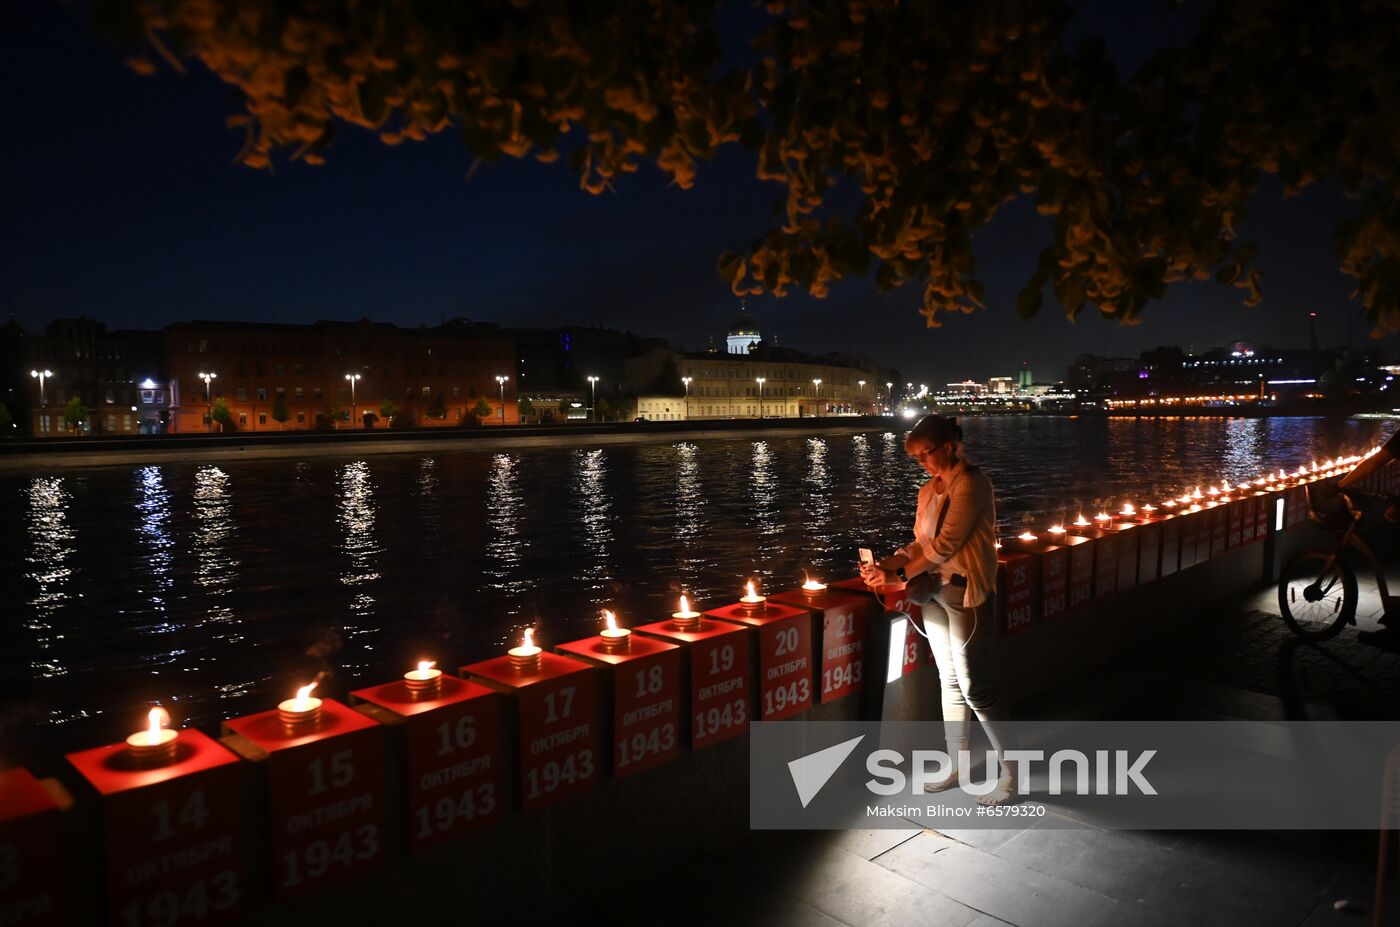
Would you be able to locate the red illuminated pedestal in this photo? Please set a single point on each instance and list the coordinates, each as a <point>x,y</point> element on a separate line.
<point>1018,589</point>
<point>842,615</point>
<point>1295,506</point>
<point>641,695</point>
<point>1129,533</point>
<point>31,852</point>
<point>1219,517</point>
<point>1053,556</point>
<point>173,836</point>
<point>895,598</point>
<point>1105,547</point>
<point>718,660</point>
<point>785,670</point>
<point>1149,549</point>
<point>1237,519</point>
<point>1195,526</point>
<point>452,752</point>
<point>554,708</point>
<point>326,795</point>
<point>1263,514</point>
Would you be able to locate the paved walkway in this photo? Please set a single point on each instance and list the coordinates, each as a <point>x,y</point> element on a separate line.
<point>1239,663</point>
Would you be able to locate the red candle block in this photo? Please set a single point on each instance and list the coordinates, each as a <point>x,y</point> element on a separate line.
<point>784,643</point>
<point>1105,547</point>
<point>1169,557</point>
<point>1018,589</point>
<point>31,850</point>
<point>173,840</point>
<point>553,704</point>
<point>894,597</point>
<point>718,660</point>
<point>842,616</point>
<point>1219,517</point>
<point>325,794</point>
<point>452,755</point>
<point>1052,554</point>
<point>640,697</point>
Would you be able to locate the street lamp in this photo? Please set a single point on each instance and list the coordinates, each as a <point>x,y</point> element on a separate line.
<point>208,395</point>
<point>686,382</point>
<point>593,398</point>
<point>889,395</point>
<point>761,381</point>
<point>501,382</point>
<point>818,385</point>
<point>861,384</point>
<point>352,377</point>
<point>42,375</point>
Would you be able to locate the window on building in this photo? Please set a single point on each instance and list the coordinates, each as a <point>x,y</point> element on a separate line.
<point>342,394</point>
<point>262,418</point>
<point>316,392</point>
<point>148,396</point>
<point>301,418</point>
<point>281,391</point>
<point>427,391</point>
<point>109,396</point>
<point>298,369</point>
<point>262,394</point>
<point>242,394</point>
<point>456,392</point>
<point>242,418</point>
<point>126,423</point>
<point>299,392</point>
<point>280,370</point>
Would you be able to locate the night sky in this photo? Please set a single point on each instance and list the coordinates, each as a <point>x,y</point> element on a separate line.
<point>123,204</point>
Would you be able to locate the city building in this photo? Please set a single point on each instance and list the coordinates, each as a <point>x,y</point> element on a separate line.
<point>274,377</point>
<point>83,379</point>
<point>743,335</point>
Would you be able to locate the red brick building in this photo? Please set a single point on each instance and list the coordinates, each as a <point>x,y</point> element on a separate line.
<point>409,376</point>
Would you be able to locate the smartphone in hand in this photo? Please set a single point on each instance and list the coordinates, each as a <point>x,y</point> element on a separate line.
<point>867,556</point>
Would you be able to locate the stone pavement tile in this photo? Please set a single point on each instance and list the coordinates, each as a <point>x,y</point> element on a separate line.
<point>868,844</point>
<point>980,838</point>
<point>1127,914</point>
<point>744,902</point>
<point>854,890</point>
<point>1001,888</point>
<point>986,920</point>
<point>1170,885</point>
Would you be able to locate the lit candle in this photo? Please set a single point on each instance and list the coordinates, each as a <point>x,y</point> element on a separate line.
<point>527,655</point>
<point>752,600</point>
<point>1149,508</point>
<point>1103,518</point>
<point>812,587</point>
<point>155,745</point>
<point>1025,536</point>
<point>685,618</point>
<point>1196,496</point>
<point>302,711</point>
<point>1081,521</point>
<point>424,679</point>
<point>615,638</point>
<point>1127,511</point>
<point>1168,503</point>
<point>1056,529</point>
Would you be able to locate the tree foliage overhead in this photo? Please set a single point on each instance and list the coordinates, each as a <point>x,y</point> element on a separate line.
<point>892,130</point>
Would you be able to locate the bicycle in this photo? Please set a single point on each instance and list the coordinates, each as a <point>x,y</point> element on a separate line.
<point>1317,588</point>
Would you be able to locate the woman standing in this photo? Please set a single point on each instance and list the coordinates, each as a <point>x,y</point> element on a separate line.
<point>955,541</point>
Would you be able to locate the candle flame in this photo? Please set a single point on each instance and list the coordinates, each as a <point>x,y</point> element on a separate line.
<point>1057,529</point>
<point>1197,493</point>
<point>1213,491</point>
<point>1026,536</point>
<point>1128,509</point>
<point>752,593</point>
<point>1103,516</point>
<point>685,604</point>
<point>158,718</point>
<point>529,639</point>
<point>425,665</point>
<point>303,695</point>
<point>611,619</point>
<point>1225,486</point>
<point>1081,521</point>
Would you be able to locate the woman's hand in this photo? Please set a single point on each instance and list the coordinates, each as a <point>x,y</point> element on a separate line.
<point>876,575</point>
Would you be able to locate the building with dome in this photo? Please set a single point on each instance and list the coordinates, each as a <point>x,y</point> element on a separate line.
<point>743,335</point>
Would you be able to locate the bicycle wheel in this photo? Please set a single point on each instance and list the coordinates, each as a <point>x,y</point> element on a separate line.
<point>1316,599</point>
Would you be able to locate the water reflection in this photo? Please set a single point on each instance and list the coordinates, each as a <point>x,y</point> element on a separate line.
<point>51,546</point>
<point>430,507</point>
<point>216,567</point>
<point>763,499</point>
<point>593,509</point>
<point>361,573</point>
<point>156,545</point>
<point>506,543</point>
<point>690,514</point>
<point>817,504</point>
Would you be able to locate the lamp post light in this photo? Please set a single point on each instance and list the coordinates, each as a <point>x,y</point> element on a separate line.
<point>592,398</point>
<point>818,384</point>
<point>760,381</point>
<point>861,384</point>
<point>353,378</point>
<point>42,375</point>
<point>501,382</point>
<point>685,381</point>
<point>889,395</point>
<point>209,378</point>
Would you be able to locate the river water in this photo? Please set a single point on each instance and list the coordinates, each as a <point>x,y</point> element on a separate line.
<point>216,589</point>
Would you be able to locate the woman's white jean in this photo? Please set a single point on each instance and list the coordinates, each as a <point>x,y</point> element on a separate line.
<point>962,640</point>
